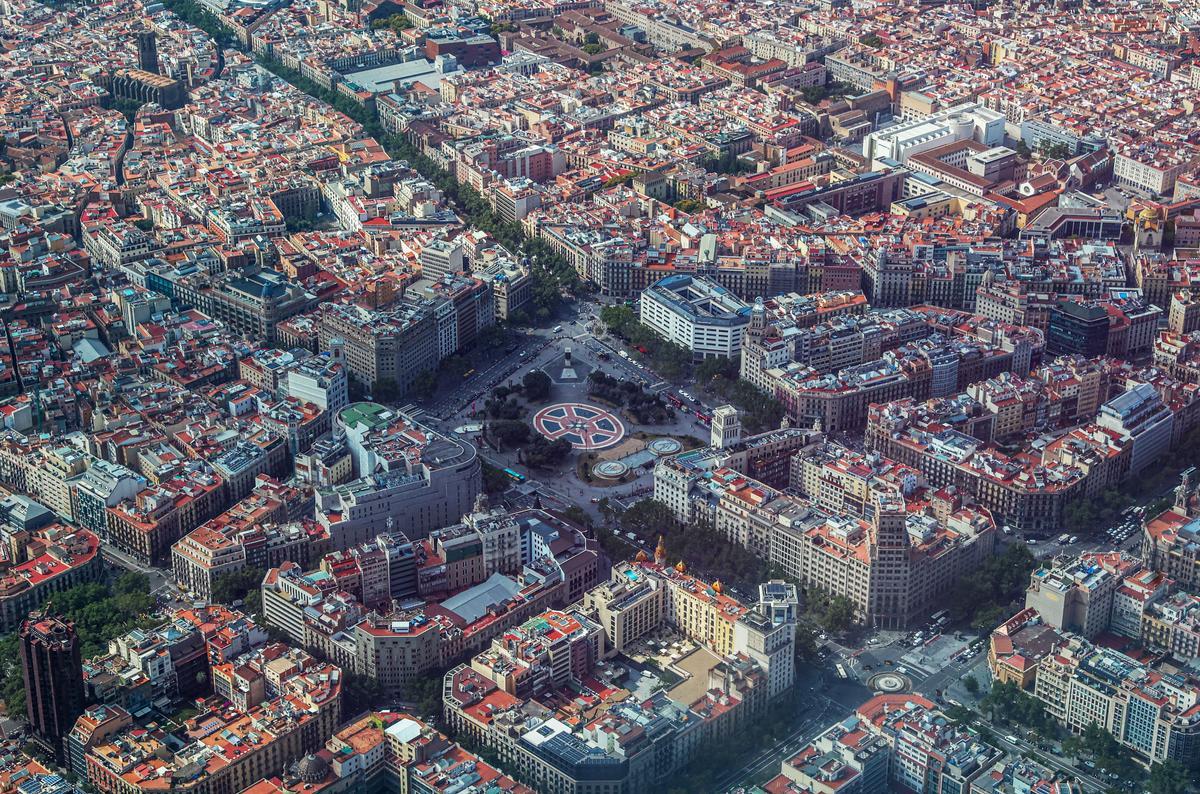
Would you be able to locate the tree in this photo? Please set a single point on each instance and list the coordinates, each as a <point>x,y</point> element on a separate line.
<point>647,519</point>
<point>608,509</point>
<point>726,163</point>
<point>101,611</point>
<point>508,432</point>
<point>536,385</point>
<point>720,377</point>
<point>972,684</point>
<point>425,692</point>
<point>1055,151</point>
<point>871,40</point>
<point>425,384</point>
<point>394,23</point>
<point>296,224</point>
<point>236,585</point>
<point>619,179</point>
<point>806,642</point>
<point>540,452</point>
<point>838,614</point>
<point>494,337</point>
<point>1007,703</point>
<point>1168,777</point>
<point>127,108</point>
<point>961,715</point>
<point>132,582</point>
<point>494,480</point>
<point>455,366</point>
<point>987,596</point>
<point>252,603</point>
<point>699,545</point>
<point>385,390</point>
<point>814,94</point>
<point>577,515</point>
<point>360,693</point>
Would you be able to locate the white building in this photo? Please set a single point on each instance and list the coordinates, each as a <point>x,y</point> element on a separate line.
<point>1150,167</point>
<point>1140,415</point>
<point>726,427</point>
<point>321,380</point>
<point>970,121</point>
<point>696,314</point>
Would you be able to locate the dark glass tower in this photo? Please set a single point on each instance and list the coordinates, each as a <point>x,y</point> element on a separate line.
<point>53,678</point>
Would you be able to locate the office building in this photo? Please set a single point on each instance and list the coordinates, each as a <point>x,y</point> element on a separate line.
<point>696,314</point>
<point>53,674</point>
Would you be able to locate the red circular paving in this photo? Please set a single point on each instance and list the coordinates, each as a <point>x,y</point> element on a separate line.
<point>582,426</point>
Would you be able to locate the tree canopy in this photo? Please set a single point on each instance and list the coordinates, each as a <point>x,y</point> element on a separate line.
<point>991,593</point>
<point>101,611</point>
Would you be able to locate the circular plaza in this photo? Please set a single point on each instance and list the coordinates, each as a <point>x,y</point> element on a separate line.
<point>582,426</point>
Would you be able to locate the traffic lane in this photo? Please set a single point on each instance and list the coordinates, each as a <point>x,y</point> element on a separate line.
<point>1020,747</point>
<point>811,726</point>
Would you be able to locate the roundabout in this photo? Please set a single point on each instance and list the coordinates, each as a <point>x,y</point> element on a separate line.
<point>888,683</point>
<point>582,426</point>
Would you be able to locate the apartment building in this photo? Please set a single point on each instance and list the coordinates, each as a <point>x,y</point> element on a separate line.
<point>251,302</point>
<point>394,346</point>
<point>634,747</point>
<point>260,531</point>
<point>48,559</point>
<point>1151,713</point>
<point>1024,494</point>
<point>1172,625</point>
<point>301,706</point>
<point>365,608</point>
<point>1141,417</point>
<point>1079,597</point>
<point>893,566</point>
<point>1169,540</point>
<point>891,742</point>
